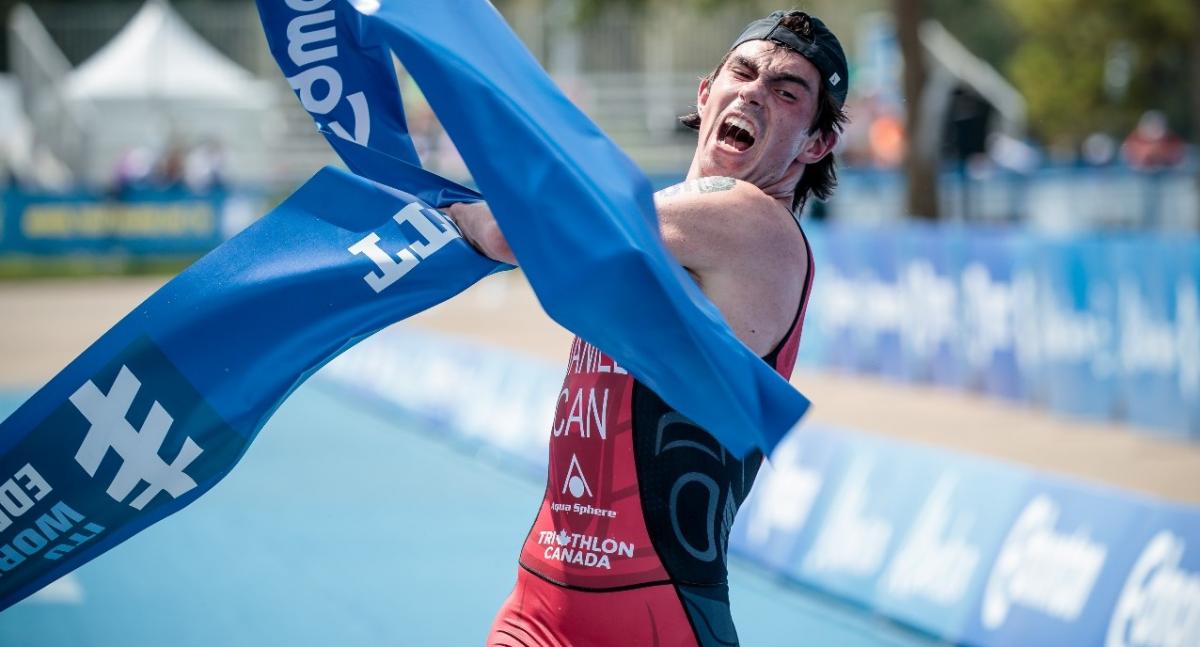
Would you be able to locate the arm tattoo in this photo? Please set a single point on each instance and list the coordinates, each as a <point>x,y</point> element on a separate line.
<point>699,185</point>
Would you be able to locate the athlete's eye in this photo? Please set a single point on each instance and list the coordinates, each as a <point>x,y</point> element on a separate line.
<point>787,95</point>
<point>740,73</point>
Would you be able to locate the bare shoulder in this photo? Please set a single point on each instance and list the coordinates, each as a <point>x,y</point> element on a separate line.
<point>700,186</point>
<point>718,190</point>
<point>710,218</point>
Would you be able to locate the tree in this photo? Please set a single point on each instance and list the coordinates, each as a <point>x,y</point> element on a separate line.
<point>1095,65</point>
<point>920,164</point>
<point>1196,92</point>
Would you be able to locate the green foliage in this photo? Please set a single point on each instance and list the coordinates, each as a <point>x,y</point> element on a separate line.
<point>1066,48</point>
<point>1057,53</point>
<point>590,8</point>
<point>984,26</point>
<point>16,267</point>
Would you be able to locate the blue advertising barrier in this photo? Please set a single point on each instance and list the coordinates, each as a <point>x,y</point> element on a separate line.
<point>891,526</point>
<point>1157,312</point>
<point>1060,567</point>
<point>991,276</point>
<point>1102,326</point>
<point>971,550</point>
<point>1077,325</point>
<point>932,350</point>
<point>144,222</point>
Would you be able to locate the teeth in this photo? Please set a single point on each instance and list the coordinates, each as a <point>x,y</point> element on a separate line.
<point>743,124</point>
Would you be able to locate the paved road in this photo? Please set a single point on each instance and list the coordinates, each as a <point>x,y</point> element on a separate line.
<point>342,528</point>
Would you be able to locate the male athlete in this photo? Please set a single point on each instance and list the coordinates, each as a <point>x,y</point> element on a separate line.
<point>629,545</point>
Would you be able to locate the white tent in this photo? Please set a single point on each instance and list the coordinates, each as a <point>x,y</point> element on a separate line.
<point>158,82</point>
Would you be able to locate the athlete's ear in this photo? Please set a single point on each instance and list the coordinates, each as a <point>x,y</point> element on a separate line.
<point>702,94</point>
<point>819,145</point>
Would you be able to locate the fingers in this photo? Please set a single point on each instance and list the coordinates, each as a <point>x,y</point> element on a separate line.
<point>496,245</point>
<point>479,227</point>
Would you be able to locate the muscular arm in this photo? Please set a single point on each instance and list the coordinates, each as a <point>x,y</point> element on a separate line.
<point>739,244</point>
<point>743,249</point>
<point>713,224</point>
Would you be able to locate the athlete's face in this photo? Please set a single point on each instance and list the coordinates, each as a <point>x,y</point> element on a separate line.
<point>755,117</point>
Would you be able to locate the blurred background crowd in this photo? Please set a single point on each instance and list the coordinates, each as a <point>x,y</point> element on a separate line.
<point>1062,113</point>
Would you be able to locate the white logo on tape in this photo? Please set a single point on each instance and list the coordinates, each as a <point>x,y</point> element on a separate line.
<point>138,448</point>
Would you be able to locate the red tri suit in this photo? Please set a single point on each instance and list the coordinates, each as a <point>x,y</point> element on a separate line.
<point>629,545</point>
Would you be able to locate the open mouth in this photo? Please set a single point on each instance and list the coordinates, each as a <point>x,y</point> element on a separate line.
<point>736,133</point>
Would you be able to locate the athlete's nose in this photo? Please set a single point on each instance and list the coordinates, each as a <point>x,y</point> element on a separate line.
<point>751,91</point>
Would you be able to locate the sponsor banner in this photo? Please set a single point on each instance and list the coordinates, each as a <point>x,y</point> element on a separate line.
<point>813,352</point>
<point>1158,603</point>
<point>1158,327</point>
<point>939,564</point>
<point>973,550</point>
<point>996,294</point>
<point>780,509</point>
<point>1104,326</point>
<point>856,525</point>
<point>880,350</point>
<point>890,526</point>
<point>839,308</point>
<point>933,349</point>
<point>166,222</point>
<point>1076,309</point>
<point>1064,563</point>
<point>1187,323</point>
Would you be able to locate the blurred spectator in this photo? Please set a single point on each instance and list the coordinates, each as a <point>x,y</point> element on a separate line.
<point>133,170</point>
<point>1099,149</point>
<point>169,173</point>
<point>855,149</point>
<point>198,169</point>
<point>1152,145</point>
<point>886,137</point>
<point>875,135</point>
<point>1012,154</point>
<point>204,167</point>
<point>967,124</point>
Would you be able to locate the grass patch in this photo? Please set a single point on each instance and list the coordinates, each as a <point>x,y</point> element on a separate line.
<point>21,267</point>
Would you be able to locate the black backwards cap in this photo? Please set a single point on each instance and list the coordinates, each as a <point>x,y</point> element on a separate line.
<point>814,42</point>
